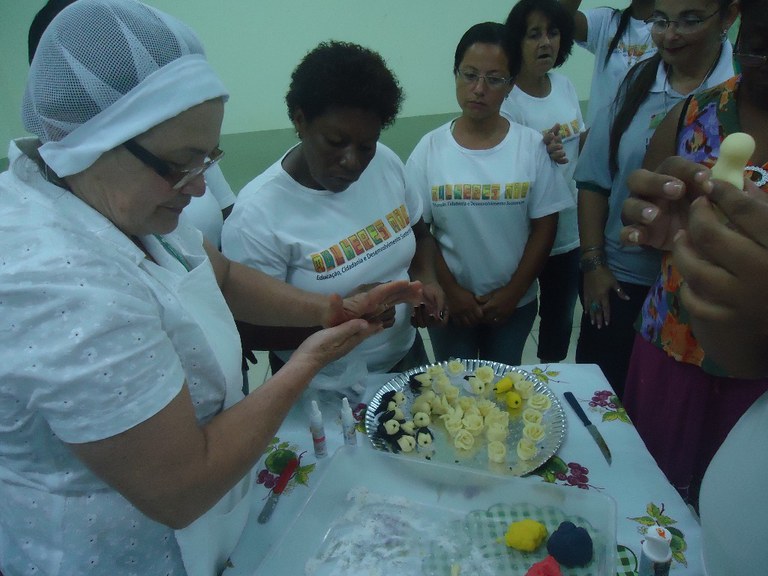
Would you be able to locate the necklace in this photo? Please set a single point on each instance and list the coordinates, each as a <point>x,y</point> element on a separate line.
<point>695,90</point>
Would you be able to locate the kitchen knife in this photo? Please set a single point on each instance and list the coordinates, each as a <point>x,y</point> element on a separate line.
<point>282,482</point>
<point>590,427</point>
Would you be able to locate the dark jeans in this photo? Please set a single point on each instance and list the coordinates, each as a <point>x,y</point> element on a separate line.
<point>503,343</point>
<point>558,289</point>
<point>610,347</point>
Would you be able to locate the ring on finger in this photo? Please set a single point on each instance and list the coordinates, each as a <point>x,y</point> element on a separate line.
<point>595,306</point>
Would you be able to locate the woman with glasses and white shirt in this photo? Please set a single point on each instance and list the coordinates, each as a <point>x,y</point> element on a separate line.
<point>126,445</point>
<point>491,194</point>
<point>693,55</point>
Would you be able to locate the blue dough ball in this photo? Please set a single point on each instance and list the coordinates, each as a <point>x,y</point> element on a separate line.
<point>570,545</point>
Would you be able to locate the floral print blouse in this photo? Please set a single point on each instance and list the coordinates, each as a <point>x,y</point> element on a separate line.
<point>707,119</point>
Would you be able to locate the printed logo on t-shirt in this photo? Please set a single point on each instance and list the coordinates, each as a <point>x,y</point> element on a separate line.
<point>567,129</point>
<point>365,242</point>
<point>466,194</point>
<point>633,52</point>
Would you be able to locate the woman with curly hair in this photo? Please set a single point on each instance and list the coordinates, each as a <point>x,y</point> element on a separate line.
<point>547,102</point>
<point>333,213</point>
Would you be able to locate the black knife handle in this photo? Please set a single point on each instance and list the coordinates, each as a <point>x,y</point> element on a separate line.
<point>571,399</point>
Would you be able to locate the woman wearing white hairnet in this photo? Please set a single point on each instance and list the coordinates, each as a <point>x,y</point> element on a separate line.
<point>125,444</point>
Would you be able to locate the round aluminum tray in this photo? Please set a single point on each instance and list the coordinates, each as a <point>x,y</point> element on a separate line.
<point>442,448</point>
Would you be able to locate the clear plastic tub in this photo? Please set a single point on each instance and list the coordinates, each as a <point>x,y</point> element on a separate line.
<point>375,513</point>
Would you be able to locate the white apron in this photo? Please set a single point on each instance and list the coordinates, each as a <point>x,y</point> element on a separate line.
<point>207,543</point>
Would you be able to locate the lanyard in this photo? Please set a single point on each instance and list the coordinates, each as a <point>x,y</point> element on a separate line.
<point>173,252</point>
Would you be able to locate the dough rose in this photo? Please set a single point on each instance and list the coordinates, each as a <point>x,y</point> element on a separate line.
<point>497,451</point>
<point>526,449</point>
<point>464,440</point>
<point>534,432</point>
<point>540,402</point>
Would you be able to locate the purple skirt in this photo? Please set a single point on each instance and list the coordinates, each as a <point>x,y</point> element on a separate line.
<point>682,413</point>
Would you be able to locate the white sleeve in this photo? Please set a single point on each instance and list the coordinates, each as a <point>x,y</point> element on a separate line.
<point>218,185</point>
<point>598,21</point>
<point>256,246</point>
<point>95,359</point>
<point>550,191</point>
<point>416,178</point>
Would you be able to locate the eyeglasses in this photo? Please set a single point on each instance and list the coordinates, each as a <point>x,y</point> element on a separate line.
<point>176,178</point>
<point>750,60</point>
<point>685,25</point>
<point>494,82</point>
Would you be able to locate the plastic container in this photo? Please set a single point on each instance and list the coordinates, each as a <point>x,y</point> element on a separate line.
<point>437,516</point>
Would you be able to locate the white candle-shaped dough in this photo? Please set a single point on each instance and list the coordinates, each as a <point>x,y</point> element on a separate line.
<point>735,152</point>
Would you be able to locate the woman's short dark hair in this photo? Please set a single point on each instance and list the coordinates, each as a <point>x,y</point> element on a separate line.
<point>342,74</point>
<point>559,17</point>
<point>483,33</point>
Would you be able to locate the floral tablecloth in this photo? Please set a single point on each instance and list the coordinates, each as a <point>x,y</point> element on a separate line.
<point>642,493</point>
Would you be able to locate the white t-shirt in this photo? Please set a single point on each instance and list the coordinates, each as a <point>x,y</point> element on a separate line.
<point>332,242</point>
<point>633,264</point>
<point>481,202</point>
<point>93,341</point>
<point>734,499</point>
<point>560,106</point>
<point>204,212</point>
<point>634,45</point>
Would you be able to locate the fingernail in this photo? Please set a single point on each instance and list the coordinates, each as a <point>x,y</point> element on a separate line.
<point>650,213</point>
<point>673,188</point>
<point>634,236</point>
<point>678,235</point>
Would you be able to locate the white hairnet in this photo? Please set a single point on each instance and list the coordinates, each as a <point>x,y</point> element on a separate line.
<point>106,71</point>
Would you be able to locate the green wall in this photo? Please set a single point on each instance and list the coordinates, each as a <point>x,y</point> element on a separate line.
<point>254,45</point>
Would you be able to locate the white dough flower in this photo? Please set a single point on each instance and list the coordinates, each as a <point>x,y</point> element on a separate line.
<point>421,405</point>
<point>524,388</point>
<point>496,433</point>
<point>526,450</point>
<point>463,440</point>
<point>497,451</point>
<point>497,417</point>
<point>532,416</point>
<point>455,367</point>
<point>440,382</point>
<point>473,423</point>
<point>534,432</point>
<point>485,374</point>
<point>436,370</point>
<point>452,423</point>
<point>486,406</point>
<point>451,393</point>
<point>466,403</point>
<point>540,402</point>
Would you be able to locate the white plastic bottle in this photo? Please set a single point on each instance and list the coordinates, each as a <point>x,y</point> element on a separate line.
<point>656,553</point>
<point>318,431</point>
<point>348,423</point>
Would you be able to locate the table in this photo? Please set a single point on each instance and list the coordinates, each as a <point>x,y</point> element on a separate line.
<point>642,493</point>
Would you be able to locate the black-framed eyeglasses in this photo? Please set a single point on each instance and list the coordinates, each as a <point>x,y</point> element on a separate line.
<point>176,178</point>
<point>685,25</point>
<point>472,78</point>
